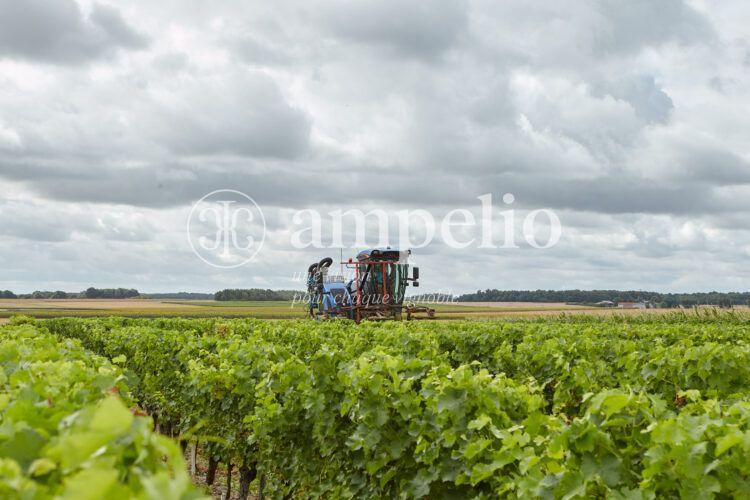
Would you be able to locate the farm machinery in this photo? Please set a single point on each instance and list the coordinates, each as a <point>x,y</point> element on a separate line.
<point>375,292</point>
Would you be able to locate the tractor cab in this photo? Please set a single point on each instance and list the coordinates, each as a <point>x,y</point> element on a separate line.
<point>376,291</point>
<point>381,276</point>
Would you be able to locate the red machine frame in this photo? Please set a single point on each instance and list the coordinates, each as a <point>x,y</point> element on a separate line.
<point>386,310</point>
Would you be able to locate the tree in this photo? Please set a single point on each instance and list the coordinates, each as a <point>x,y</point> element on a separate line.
<point>110,293</point>
<point>594,296</point>
<point>254,294</point>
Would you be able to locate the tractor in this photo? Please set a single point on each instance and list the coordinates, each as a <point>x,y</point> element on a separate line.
<point>376,291</point>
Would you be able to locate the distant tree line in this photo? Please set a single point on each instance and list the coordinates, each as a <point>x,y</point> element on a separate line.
<point>58,294</point>
<point>178,296</point>
<point>89,293</point>
<point>592,296</point>
<point>254,294</point>
<point>110,293</point>
<point>127,293</point>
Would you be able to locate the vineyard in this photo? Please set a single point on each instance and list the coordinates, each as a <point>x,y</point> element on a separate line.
<point>67,431</point>
<point>571,407</point>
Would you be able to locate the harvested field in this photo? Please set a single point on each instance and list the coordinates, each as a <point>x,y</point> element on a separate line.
<point>276,309</point>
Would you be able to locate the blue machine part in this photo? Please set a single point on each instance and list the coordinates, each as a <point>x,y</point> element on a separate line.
<point>335,295</point>
<point>331,299</point>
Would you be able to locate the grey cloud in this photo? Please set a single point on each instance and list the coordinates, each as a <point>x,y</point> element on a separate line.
<point>582,38</point>
<point>286,186</point>
<point>255,50</point>
<point>410,28</point>
<point>38,222</point>
<point>35,230</point>
<point>734,222</point>
<point>623,194</point>
<point>129,186</point>
<point>33,222</point>
<point>114,228</point>
<point>650,102</point>
<point>631,25</point>
<point>58,32</point>
<point>588,108</point>
<point>245,116</point>
<point>172,63</point>
<point>715,166</point>
<point>109,19</point>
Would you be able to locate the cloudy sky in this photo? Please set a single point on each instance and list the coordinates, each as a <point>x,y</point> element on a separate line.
<point>627,119</point>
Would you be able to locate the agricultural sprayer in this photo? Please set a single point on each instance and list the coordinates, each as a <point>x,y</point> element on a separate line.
<point>376,291</point>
